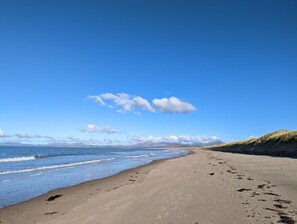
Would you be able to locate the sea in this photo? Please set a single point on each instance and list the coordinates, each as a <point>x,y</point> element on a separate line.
<point>27,172</point>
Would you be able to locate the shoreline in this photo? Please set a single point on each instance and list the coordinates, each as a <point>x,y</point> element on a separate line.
<point>90,181</point>
<point>119,178</point>
<point>203,186</point>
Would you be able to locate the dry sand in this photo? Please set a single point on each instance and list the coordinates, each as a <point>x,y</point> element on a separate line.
<point>204,187</point>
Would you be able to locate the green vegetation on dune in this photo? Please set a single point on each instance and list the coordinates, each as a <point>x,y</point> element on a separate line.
<point>278,143</point>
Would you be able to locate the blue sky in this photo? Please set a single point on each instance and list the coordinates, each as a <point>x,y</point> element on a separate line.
<point>231,67</point>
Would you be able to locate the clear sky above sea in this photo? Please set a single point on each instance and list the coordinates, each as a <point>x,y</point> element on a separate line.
<point>199,68</point>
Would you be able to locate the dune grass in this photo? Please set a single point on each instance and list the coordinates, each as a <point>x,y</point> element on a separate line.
<point>277,143</point>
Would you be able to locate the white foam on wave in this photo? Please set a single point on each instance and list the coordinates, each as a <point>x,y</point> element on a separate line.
<point>36,174</point>
<point>17,159</point>
<point>56,166</point>
<point>140,156</point>
<point>5,180</point>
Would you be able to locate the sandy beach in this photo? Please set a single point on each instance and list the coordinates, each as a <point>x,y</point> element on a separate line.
<point>203,187</point>
<point>148,112</point>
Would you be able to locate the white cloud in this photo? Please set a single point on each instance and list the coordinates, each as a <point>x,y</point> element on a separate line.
<point>175,139</point>
<point>146,139</point>
<point>173,105</point>
<point>24,135</point>
<point>27,138</point>
<point>91,128</point>
<point>73,140</point>
<point>2,134</point>
<point>143,103</point>
<point>111,141</point>
<point>97,100</point>
<point>125,102</point>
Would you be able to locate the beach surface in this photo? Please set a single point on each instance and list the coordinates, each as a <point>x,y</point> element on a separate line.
<point>202,187</point>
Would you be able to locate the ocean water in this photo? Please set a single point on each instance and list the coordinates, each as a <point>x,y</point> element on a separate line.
<point>27,172</point>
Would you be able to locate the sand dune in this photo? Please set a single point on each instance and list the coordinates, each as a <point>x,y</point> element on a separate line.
<point>278,143</point>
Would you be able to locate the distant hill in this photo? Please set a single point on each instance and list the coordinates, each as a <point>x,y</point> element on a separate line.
<point>218,142</point>
<point>278,143</point>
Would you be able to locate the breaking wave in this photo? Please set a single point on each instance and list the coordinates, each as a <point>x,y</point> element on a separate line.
<point>55,166</point>
<point>143,155</point>
<point>17,159</point>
